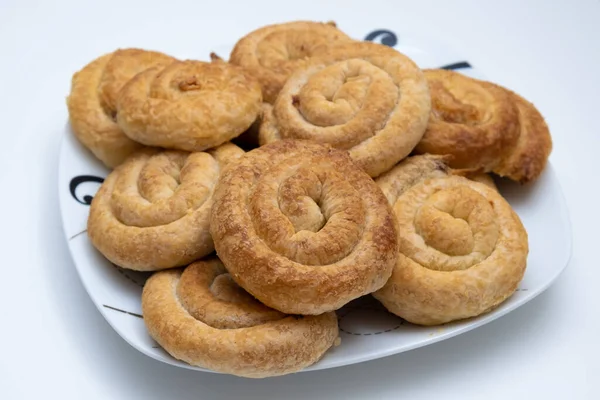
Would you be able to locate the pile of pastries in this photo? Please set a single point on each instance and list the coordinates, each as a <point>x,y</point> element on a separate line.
<point>320,169</point>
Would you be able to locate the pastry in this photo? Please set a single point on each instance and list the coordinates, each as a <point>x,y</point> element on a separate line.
<point>362,97</point>
<point>463,250</point>
<point>302,228</point>
<point>476,176</point>
<point>153,211</point>
<point>273,52</point>
<point>188,105</point>
<point>92,101</point>
<point>484,127</point>
<point>200,316</point>
<point>474,121</point>
<point>528,157</point>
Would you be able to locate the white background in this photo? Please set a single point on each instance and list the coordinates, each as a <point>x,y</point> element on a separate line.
<point>56,345</point>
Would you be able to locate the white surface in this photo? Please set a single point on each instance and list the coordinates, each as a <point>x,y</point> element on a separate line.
<point>367,330</point>
<point>55,343</point>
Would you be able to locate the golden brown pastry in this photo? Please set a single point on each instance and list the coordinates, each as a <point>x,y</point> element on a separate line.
<point>362,97</point>
<point>528,157</point>
<point>273,52</point>
<point>474,121</point>
<point>202,317</point>
<point>463,250</point>
<point>302,228</point>
<point>480,177</point>
<point>92,101</point>
<point>189,105</point>
<point>153,211</point>
<point>484,127</point>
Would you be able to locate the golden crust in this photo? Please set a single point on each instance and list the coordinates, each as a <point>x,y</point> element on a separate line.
<point>473,175</point>
<point>188,105</point>
<point>480,177</point>
<point>91,103</point>
<point>362,97</point>
<point>153,211</point>
<point>302,228</point>
<point>474,121</point>
<point>200,316</point>
<point>463,250</point>
<point>272,53</point>
<point>485,127</point>
<point>528,158</point>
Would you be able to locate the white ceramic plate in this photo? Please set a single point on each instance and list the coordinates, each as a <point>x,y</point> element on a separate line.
<point>368,331</point>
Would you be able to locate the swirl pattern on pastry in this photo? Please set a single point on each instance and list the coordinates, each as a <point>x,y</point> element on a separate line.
<point>302,228</point>
<point>153,211</point>
<point>189,105</point>
<point>362,97</point>
<point>528,157</point>
<point>92,101</point>
<point>200,316</point>
<point>474,121</point>
<point>272,53</point>
<point>463,250</point>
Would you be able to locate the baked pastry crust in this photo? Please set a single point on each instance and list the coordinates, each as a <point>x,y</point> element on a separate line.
<point>302,228</point>
<point>485,127</point>
<point>463,250</point>
<point>362,97</point>
<point>272,53</point>
<point>153,211</point>
<point>474,121</point>
<point>92,101</point>
<point>527,159</point>
<point>200,316</point>
<point>188,105</point>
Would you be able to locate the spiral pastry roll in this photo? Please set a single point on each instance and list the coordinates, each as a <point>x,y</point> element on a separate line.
<point>153,211</point>
<point>476,122</point>
<point>463,250</point>
<point>302,228</point>
<point>92,101</point>
<point>272,53</point>
<point>188,105</point>
<point>202,317</point>
<point>362,97</point>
